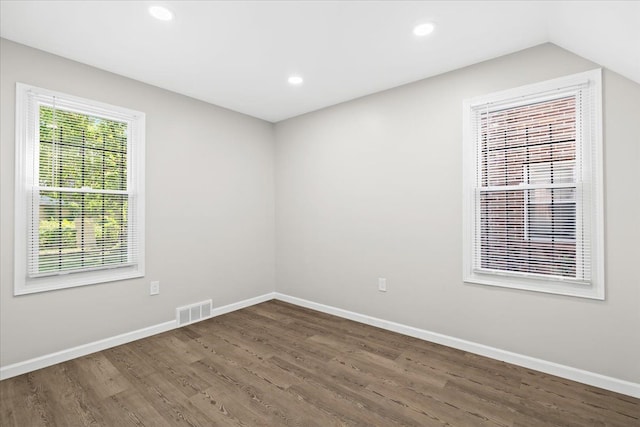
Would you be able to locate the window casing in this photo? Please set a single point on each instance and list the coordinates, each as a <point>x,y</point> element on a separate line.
<point>79,191</point>
<point>533,187</point>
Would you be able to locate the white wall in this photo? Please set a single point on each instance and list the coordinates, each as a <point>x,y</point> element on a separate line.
<point>373,188</point>
<point>209,211</point>
<point>366,189</point>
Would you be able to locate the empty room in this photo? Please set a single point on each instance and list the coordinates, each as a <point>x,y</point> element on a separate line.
<point>319,213</point>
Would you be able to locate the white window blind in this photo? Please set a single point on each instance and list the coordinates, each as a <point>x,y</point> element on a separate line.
<point>533,207</point>
<point>80,189</point>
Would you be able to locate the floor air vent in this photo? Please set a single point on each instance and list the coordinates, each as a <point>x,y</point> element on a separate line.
<point>193,312</point>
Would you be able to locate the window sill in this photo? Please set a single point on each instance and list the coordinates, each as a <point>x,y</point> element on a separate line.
<point>25,286</point>
<point>557,287</point>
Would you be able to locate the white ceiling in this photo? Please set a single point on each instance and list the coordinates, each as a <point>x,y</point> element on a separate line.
<point>239,54</point>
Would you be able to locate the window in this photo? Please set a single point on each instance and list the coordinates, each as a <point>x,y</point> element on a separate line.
<point>550,213</point>
<point>533,187</point>
<point>79,191</point>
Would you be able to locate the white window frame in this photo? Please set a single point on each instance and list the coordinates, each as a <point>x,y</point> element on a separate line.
<point>589,152</point>
<point>28,99</point>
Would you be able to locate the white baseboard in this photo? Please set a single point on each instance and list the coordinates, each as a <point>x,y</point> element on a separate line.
<point>84,349</point>
<point>574,374</point>
<point>242,304</point>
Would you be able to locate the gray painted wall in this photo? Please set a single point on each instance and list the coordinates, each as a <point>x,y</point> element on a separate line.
<point>366,189</point>
<point>373,188</point>
<point>209,211</point>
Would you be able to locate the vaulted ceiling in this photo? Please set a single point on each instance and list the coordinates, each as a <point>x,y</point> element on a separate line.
<point>239,54</point>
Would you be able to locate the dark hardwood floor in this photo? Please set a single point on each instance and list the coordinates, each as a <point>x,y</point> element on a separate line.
<point>278,364</point>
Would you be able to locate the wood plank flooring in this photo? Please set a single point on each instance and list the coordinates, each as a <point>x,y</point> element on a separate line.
<point>276,364</point>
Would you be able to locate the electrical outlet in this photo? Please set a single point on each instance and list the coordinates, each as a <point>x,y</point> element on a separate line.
<point>154,289</point>
<point>382,284</point>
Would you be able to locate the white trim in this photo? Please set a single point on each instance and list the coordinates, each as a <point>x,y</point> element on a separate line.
<point>72,103</point>
<point>598,181</point>
<point>82,350</point>
<point>30,365</point>
<point>242,304</point>
<point>27,98</point>
<point>589,82</point>
<point>546,90</point>
<point>568,372</point>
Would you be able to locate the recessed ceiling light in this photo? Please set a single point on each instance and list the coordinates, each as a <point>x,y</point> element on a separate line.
<point>295,80</point>
<point>161,13</point>
<point>423,29</point>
